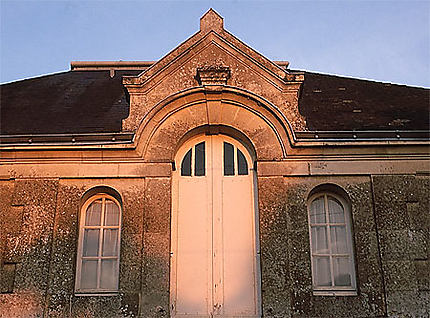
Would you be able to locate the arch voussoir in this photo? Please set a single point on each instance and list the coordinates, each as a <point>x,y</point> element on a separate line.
<point>165,126</point>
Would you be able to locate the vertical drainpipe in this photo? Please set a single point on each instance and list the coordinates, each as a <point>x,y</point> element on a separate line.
<point>378,246</point>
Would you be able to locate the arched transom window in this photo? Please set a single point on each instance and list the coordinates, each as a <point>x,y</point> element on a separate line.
<point>99,245</point>
<point>234,161</point>
<point>333,270</point>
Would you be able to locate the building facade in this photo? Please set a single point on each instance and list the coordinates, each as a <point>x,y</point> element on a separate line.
<point>213,183</point>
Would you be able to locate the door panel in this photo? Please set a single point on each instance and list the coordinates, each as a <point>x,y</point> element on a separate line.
<point>239,247</point>
<point>193,263</point>
<point>214,267</point>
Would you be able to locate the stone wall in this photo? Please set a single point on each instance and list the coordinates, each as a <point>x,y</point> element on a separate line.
<point>402,205</point>
<point>39,228</point>
<point>285,250</point>
<point>40,220</point>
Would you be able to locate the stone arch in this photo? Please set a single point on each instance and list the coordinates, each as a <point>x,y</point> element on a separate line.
<point>219,129</point>
<point>166,124</point>
<point>330,188</point>
<point>98,190</point>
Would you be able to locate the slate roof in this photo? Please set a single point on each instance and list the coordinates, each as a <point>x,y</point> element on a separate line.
<point>93,102</point>
<point>331,102</point>
<point>68,102</point>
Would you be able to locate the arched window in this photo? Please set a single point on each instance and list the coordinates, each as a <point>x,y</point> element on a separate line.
<point>333,270</point>
<point>234,162</point>
<point>99,245</point>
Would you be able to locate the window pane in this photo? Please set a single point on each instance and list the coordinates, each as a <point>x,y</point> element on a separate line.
<point>242,165</point>
<point>341,268</point>
<point>186,164</point>
<point>335,211</point>
<point>228,159</point>
<point>93,215</point>
<point>89,274</point>
<point>111,213</point>
<point>322,271</point>
<point>91,242</point>
<point>109,275</point>
<point>200,159</point>
<point>338,239</point>
<point>110,242</point>
<point>319,240</point>
<point>317,211</point>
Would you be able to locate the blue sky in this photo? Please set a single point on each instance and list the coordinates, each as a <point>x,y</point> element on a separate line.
<point>385,41</point>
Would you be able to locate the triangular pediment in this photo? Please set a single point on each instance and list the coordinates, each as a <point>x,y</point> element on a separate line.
<point>211,59</point>
<point>212,46</point>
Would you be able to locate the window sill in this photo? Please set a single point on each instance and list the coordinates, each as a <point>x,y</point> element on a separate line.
<point>335,293</point>
<point>95,294</point>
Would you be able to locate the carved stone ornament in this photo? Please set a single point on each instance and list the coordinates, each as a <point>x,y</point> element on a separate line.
<point>213,75</point>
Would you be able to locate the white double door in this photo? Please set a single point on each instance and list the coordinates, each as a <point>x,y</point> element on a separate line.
<point>214,250</point>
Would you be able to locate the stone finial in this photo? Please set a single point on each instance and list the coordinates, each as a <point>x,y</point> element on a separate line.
<point>213,75</point>
<point>211,21</point>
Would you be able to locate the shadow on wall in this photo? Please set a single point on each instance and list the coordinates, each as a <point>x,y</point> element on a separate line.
<point>39,245</point>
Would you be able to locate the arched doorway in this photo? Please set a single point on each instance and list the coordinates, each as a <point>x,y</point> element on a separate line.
<point>214,251</point>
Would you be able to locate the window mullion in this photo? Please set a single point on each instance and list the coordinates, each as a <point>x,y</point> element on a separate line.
<point>99,262</point>
<point>329,239</point>
<point>193,161</point>
<point>235,163</point>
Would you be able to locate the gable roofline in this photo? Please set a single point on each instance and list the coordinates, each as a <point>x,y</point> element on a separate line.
<point>351,77</point>
<point>212,23</point>
<point>129,65</point>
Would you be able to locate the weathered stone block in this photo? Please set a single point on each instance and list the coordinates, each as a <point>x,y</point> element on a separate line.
<point>35,192</point>
<point>65,242</point>
<point>399,276</point>
<point>298,246</point>
<point>302,304</point>
<point>297,216</point>
<point>360,195</point>
<point>391,215</point>
<point>300,276</point>
<point>131,248</point>
<point>13,220</point>
<point>395,188</point>
<point>422,271</point>
<point>133,207</point>
<point>272,205</point>
<point>418,215</point>
<point>155,271</point>
<point>367,304</point>
<point>369,275</point>
<point>419,244</point>
<point>32,272</point>
<point>7,277</point>
<point>408,304</point>
<point>130,305</point>
<point>130,277</point>
<point>395,244</point>
<point>28,305</point>
<point>366,244</point>
<point>96,306</point>
<point>157,205</point>
<point>275,287</point>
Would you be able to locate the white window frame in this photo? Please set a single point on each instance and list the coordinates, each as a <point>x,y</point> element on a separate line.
<point>97,291</point>
<point>333,290</point>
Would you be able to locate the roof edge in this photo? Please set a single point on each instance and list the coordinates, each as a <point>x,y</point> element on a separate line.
<point>351,137</point>
<point>109,65</point>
